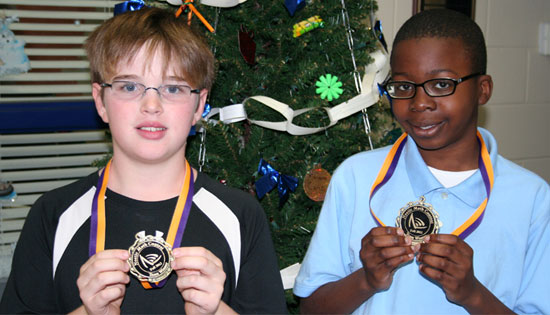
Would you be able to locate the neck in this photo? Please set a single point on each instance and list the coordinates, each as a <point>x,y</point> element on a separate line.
<point>147,182</point>
<point>460,157</point>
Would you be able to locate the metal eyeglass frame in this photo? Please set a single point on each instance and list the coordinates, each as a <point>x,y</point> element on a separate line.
<point>145,88</point>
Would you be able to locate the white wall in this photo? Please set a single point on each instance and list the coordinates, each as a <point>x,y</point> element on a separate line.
<point>518,113</point>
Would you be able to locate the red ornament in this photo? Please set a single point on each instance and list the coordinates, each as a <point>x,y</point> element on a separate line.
<point>247,46</point>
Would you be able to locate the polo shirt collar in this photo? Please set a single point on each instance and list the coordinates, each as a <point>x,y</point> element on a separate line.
<point>471,191</point>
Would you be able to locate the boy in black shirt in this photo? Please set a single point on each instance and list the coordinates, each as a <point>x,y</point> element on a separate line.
<point>151,75</point>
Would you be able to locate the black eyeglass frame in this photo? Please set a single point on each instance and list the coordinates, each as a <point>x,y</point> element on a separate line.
<point>416,85</point>
<point>110,85</point>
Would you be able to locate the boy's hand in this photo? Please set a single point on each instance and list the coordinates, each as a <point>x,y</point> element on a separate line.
<point>200,279</point>
<point>102,281</point>
<point>383,249</point>
<point>448,260</point>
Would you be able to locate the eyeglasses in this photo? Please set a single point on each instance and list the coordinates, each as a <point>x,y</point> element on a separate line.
<point>131,91</point>
<point>434,87</point>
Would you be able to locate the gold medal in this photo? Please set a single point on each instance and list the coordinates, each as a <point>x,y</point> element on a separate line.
<point>150,258</point>
<point>418,219</point>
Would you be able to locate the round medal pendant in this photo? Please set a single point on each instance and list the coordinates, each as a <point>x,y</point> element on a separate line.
<point>150,258</point>
<point>418,219</point>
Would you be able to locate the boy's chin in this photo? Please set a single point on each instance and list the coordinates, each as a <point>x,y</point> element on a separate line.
<point>427,144</point>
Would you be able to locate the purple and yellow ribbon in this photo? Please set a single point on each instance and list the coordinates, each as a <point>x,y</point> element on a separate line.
<point>177,225</point>
<point>485,167</point>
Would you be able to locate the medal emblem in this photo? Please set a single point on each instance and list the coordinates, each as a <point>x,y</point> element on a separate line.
<point>418,219</point>
<point>150,258</point>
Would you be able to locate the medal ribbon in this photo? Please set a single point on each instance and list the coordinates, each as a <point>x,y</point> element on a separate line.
<point>177,225</point>
<point>485,167</point>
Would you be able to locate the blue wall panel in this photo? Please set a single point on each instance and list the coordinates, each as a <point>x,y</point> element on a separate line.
<point>49,117</point>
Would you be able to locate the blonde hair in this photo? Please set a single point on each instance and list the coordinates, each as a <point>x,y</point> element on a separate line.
<point>159,31</point>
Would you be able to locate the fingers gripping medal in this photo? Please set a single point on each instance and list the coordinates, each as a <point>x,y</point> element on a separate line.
<point>150,258</point>
<point>418,219</point>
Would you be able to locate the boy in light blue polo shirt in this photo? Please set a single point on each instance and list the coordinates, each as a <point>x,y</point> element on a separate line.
<point>438,222</point>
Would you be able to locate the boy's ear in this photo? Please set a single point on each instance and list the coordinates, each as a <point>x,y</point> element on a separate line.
<point>99,105</point>
<point>485,89</point>
<point>200,106</point>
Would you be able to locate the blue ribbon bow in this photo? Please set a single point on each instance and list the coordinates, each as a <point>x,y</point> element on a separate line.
<point>272,178</point>
<point>131,5</point>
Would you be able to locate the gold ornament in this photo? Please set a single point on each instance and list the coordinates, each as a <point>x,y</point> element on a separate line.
<point>316,183</point>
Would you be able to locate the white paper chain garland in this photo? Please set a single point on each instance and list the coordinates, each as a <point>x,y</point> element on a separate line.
<point>375,73</point>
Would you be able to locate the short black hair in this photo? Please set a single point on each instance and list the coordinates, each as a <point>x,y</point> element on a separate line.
<point>444,23</point>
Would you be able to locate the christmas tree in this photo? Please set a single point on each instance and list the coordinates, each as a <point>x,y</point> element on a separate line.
<point>258,53</point>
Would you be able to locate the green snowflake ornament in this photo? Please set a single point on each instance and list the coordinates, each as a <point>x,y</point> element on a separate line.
<point>329,87</point>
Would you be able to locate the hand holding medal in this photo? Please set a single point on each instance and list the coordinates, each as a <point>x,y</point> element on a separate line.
<point>200,279</point>
<point>102,282</point>
<point>448,260</point>
<point>445,258</point>
<point>383,250</point>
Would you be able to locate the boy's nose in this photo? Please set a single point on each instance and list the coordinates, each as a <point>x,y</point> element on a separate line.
<point>422,101</point>
<point>151,102</point>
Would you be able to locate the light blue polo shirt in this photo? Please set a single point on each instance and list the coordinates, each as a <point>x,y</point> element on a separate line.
<point>511,245</point>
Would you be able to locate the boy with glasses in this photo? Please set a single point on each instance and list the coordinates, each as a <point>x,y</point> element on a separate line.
<point>441,193</point>
<point>148,233</point>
